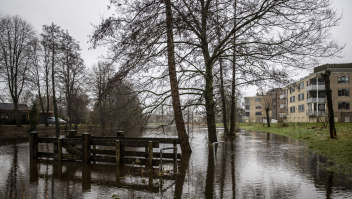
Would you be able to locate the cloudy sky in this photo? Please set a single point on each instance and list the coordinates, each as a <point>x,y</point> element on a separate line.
<point>76,16</point>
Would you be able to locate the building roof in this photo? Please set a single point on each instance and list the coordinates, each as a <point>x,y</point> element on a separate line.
<point>11,107</point>
<point>345,67</point>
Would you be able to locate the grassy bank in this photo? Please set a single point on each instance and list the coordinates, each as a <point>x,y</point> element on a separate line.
<point>338,151</point>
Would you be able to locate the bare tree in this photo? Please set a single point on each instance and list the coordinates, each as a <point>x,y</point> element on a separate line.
<point>51,40</point>
<point>328,91</point>
<point>273,39</point>
<point>98,80</point>
<point>72,71</point>
<point>180,125</point>
<point>15,37</point>
<point>37,63</point>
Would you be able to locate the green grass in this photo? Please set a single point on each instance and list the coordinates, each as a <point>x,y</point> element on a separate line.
<point>338,151</point>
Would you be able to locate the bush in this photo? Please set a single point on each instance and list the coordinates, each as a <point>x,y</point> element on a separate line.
<point>33,117</point>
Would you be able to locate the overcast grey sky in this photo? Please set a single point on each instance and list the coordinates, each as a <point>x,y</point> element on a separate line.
<point>76,16</point>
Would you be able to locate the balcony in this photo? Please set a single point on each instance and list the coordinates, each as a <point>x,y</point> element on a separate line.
<point>245,117</point>
<point>247,110</point>
<point>283,96</point>
<point>315,100</point>
<point>315,87</point>
<point>283,115</point>
<point>315,113</point>
<point>283,105</point>
<point>245,104</point>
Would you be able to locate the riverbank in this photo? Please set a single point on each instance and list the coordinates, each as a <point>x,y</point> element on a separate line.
<point>338,151</point>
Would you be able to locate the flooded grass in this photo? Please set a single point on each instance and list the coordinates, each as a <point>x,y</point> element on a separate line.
<point>338,151</point>
<point>252,164</point>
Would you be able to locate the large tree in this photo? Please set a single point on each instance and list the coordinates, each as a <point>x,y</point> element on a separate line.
<point>273,38</point>
<point>72,71</point>
<point>16,35</point>
<point>51,40</point>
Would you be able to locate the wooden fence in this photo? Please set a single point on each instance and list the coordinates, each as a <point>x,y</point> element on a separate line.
<point>89,152</point>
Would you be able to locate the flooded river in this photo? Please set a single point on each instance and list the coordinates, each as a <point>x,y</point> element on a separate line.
<point>253,165</point>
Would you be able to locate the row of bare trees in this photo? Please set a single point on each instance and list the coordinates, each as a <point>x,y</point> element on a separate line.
<point>49,65</point>
<point>41,63</point>
<point>218,45</point>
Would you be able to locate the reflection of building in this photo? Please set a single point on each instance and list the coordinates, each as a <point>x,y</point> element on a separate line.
<point>7,111</point>
<point>305,100</point>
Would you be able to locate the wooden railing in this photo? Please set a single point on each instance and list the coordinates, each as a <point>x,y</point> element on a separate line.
<point>89,152</point>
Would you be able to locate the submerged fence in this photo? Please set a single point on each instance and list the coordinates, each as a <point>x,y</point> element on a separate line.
<point>88,151</point>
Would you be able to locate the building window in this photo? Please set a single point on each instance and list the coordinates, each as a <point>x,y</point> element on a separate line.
<point>247,114</point>
<point>247,107</point>
<point>292,89</point>
<point>258,113</point>
<point>258,99</point>
<point>343,79</point>
<point>4,116</point>
<point>247,101</point>
<point>258,106</point>
<point>301,85</point>
<point>292,109</point>
<point>292,99</point>
<point>344,92</point>
<point>301,108</point>
<point>344,105</point>
<point>301,97</point>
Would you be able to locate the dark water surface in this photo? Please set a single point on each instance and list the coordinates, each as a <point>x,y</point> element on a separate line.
<point>255,165</point>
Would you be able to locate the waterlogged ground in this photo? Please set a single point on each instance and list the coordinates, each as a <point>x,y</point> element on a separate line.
<point>255,165</point>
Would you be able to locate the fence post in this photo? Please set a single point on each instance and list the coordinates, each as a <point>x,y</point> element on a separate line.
<point>175,157</point>
<point>72,133</point>
<point>120,135</point>
<point>117,144</point>
<point>86,147</point>
<point>150,154</point>
<point>59,148</point>
<point>33,145</point>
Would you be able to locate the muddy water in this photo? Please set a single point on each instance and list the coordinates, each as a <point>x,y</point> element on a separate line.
<point>253,165</point>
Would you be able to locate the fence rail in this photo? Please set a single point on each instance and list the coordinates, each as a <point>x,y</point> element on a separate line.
<point>118,156</point>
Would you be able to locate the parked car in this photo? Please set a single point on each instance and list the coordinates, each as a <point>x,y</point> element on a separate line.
<point>51,120</point>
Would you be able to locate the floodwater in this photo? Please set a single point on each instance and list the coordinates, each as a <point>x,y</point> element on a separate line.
<point>255,165</point>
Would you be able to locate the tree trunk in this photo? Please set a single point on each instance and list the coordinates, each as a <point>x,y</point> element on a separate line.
<point>222,90</point>
<point>233,91</point>
<point>47,96</point>
<point>328,91</point>
<point>180,125</point>
<point>17,113</point>
<point>267,116</point>
<point>209,103</point>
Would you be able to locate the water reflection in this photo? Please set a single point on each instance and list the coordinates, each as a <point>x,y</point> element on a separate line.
<point>255,165</point>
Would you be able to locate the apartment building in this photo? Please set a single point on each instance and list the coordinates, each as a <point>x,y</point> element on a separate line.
<point>305,100</point>
<point>255,109</point>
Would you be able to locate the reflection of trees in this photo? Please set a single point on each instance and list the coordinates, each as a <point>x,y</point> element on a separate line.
<point>180,179</point>
<point>233,171</point>
<point>209,185</point>
<point>11,187</point>
<point>274,155</point>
